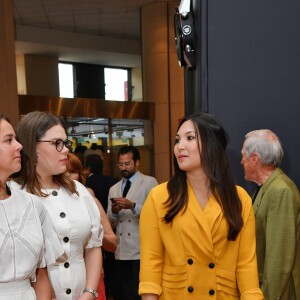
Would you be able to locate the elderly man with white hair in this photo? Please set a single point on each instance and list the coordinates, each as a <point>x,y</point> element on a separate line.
<point>276,204</point>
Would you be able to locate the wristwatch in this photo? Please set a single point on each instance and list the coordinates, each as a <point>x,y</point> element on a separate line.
<point>93,292</point>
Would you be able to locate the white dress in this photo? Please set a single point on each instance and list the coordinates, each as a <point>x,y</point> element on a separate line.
<point>78,225</point>
<point>27,241</point>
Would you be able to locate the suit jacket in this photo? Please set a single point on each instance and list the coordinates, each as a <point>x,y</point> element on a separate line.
<point>191,258</point>
<point>101,184</point>
<point>126,221</point>
<point>277,214</point>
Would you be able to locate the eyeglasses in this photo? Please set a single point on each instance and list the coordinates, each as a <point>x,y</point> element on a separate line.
<point>125,164</point>
<point>59,144</point>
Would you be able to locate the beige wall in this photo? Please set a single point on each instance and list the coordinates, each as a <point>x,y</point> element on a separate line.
<point>8,78</point>
<point>137,83</point>
<point>37,75</point>
<point>21,74</point>
<point>163,81</point>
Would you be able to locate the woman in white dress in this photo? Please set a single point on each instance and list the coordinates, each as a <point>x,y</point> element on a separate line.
<point>27,238</point>
<point>73,211</point>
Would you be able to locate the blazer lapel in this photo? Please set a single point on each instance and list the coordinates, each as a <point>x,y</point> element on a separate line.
<point>258,199</point>
<point>135,185</point>
<point>118,188</point>
<point>263,189</point>
<point>214,214</point>
<point>197,212</point>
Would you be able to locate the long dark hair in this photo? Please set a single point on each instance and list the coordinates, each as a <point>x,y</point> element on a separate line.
<point>31,129</point>
<point>214,162</point>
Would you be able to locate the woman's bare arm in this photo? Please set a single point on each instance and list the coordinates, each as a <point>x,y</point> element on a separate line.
<point>109,242</point>
<point>42,286</point>
<point>93,265</point>
<point>149,297</point>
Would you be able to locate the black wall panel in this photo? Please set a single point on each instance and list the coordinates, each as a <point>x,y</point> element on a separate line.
<point>89,81</point>
<point>249,72</point>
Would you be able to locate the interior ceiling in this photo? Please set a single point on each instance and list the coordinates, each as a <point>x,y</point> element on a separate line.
<point>49,27</point>
<point>102,19</point>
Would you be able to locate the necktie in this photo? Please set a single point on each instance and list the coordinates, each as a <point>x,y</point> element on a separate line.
<point>126,188</point>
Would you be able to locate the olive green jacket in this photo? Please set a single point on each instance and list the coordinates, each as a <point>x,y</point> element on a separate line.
<point>277,214</point>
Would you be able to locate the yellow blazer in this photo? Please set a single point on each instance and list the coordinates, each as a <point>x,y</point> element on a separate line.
<point>192,258</point>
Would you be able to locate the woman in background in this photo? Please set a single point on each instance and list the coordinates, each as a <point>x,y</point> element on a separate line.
<point>73,211</point>
<point>25,231</point>
<point>197,230</point>
<point>76,172</point>
<point>75,168</point>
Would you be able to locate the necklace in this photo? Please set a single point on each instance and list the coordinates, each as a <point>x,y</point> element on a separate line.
<point>50,187</point>
<point>50,191</point>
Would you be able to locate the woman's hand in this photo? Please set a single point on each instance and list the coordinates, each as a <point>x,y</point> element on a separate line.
<point>86,296</point>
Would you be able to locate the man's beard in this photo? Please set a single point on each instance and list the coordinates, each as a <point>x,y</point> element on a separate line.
<point>126,174</point>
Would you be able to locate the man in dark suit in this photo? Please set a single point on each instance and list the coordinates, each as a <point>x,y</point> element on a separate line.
<point>276,206</point>
<point>98,182</point>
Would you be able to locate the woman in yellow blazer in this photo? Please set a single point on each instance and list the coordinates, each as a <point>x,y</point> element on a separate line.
<point>197,230</point>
